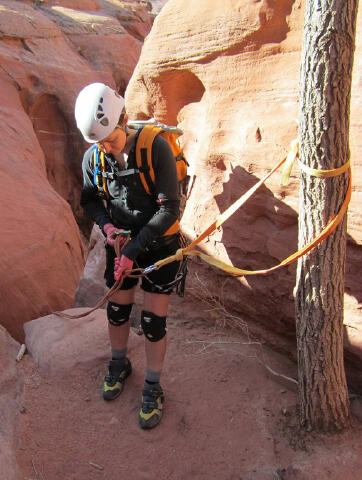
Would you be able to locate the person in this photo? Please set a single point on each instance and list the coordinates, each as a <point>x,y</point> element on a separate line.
<point>102,119</point>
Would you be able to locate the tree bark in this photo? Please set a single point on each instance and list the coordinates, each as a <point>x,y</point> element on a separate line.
<point>325,79</point>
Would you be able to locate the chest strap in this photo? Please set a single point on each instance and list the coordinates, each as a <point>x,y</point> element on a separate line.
<point>120,173</point>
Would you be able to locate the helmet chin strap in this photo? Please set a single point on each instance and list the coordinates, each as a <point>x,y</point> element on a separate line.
<point>125,129</point>
<point>129,141</point>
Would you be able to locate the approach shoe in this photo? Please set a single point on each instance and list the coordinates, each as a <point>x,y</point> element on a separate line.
<point>152,403</point>
<point>118,371</point>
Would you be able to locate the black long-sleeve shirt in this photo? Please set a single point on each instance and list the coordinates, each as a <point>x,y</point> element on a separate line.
<point>129,206</point>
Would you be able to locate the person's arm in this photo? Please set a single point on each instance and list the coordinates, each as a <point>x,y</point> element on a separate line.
<point>166,191</point>
<point>90,200</point>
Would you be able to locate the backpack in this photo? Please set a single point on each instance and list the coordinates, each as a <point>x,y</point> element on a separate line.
<point>148,130</point>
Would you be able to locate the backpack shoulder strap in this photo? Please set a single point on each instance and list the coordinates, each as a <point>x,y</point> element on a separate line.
<point>144,156</point>
<point>99,165</point>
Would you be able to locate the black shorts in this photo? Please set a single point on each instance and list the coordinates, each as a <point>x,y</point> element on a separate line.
<point>156,281</point>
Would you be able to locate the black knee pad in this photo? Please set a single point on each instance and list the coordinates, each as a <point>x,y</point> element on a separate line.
<point>118,314</point>
<point>154,327</point>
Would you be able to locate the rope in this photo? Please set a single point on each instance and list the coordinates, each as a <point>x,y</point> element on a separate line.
<point>118,249</point>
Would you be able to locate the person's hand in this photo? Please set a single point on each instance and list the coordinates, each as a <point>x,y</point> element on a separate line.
<point>121,265</point>
<point>110,230</point>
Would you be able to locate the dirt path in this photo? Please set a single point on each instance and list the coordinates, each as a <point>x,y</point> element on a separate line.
<point>225,416</point>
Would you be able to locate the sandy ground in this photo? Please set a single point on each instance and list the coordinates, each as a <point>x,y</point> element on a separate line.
<point>226,417</point>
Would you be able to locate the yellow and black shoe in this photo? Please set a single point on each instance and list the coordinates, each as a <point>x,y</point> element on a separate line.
<point>118,371</point>
<point>152,403</point>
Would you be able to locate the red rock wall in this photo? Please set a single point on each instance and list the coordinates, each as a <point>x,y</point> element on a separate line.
<point>48,51</point>
<point>227,72</point>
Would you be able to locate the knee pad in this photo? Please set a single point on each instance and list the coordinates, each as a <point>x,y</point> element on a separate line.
<point>118,314</point>
<point>154,327</point>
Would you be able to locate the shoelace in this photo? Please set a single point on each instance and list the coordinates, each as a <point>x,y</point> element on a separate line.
<point>111,377</point>
<point>114,374</point>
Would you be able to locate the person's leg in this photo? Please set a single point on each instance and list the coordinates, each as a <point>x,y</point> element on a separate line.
<point>154,327</point>
<point>157,287</point>
<point>119,368</point>
<point>155,350</point>
<point>118,329</point>
<point>119,306</point>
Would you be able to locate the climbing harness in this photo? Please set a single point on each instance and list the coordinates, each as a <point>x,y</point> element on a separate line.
<point>180,277</point>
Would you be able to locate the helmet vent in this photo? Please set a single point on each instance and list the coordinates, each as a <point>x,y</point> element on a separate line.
<point>100,115</point>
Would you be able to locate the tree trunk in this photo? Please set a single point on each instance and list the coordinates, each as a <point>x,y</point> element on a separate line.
<point>326,71</point>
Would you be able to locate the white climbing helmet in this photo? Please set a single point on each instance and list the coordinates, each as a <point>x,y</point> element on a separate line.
<point>97,111</point>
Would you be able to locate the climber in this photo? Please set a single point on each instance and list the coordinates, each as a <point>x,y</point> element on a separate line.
<point>101,117</point>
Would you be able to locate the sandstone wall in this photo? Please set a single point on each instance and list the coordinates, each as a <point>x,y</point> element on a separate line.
<point>49,50</point>
<point>227,72</point>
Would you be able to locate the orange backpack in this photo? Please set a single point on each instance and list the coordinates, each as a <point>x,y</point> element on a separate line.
<point>144,162</point>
